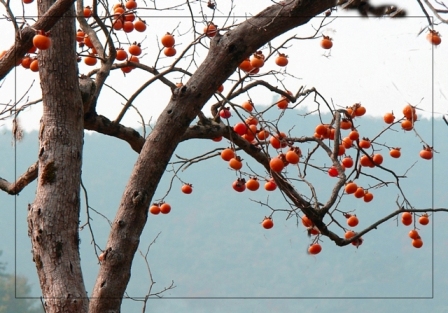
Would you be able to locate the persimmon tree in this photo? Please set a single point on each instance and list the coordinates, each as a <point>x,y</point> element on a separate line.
<point>109,38</point>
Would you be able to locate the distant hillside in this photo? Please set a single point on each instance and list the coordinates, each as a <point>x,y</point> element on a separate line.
<point>212,245</point>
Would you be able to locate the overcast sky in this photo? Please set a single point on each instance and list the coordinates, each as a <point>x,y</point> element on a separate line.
<point>382,63</point>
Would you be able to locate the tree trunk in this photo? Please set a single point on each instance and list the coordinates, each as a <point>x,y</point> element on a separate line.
<point>53,218</point>
<point>225,53</point>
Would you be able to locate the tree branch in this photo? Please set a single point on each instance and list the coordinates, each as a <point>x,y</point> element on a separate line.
<point>24,180</point>
<point>24,39</point>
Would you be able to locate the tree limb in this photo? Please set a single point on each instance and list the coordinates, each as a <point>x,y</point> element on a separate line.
<point>24,180</point>
<point>24,38</point>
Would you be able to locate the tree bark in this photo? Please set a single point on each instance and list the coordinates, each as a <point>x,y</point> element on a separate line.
<point>53,217</point>
<point>225,53</point>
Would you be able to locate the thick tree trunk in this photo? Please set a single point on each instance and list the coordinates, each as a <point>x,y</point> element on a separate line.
<point>226,52</point>
<point>53,218</point>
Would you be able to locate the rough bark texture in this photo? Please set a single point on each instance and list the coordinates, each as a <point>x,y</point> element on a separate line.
<point>53,218</point>
<point>226,52</point>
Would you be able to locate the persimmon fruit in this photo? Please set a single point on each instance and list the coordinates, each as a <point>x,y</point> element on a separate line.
<point>167,40</point>
<point>187,189</point>
<point>315,249</point>
<point>267,223</point>
<point>326,42</point>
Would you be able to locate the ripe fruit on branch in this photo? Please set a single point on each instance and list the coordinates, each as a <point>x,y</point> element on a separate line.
<point>263,134</point>
<point>313,231</point>
<point>278,141</point>
<point>239,185</point>
<point>409,112</point>
<point>282,104</point>
<point>34,65</point>
<point>134,59</point>
<point>351,187</point>
<point>121,54</point>
<point>349,234</point>
<point>368,196</point>
<point>377,159</point>
<point>281,60</point>
<point>225,112</point>
<point>354,135</point>
<point>326,42</point>
<point>406,218</point>
<point>26,61</point>
<point>315,248</point>
<point>257,59</point>
<point>252,184</point>
<point>366,162</point>
<point>131,5</point>
<point>240,128</point>
<point>434,37</point>
<point>165,208</point>
<point>347,162</point>
<point>417,243</point>
<point>276,164</point>
<point>306,221</point>
<point>90,60</point>
<point>357,242</point>
<point>424,219</point>
<point>413,234</point>
<point>347,143</point>
<point>41,40</point>
<point>267,223</point>
<point>352,220</point>
<point>135,49</point>
<point>227,154</point>
<point>359,193</point>
<point>140,25</point>
<point>155,209</point>
<point>118,11</point>
<point>341,150</point>
<point>389,118</point>
<point>359,110</point>
<point>346,124</point>
<point>236,163</point>
<point>169,51</point>
<point>293,155</point>
<point>270,185</point>
<point>395,153</point>
<point>210,30</point>
<point>80,36</point>
<point>128,26</point>
<point>167,40</point>
<point>187,188</point>
<point>245,65</point>
<point>252,130</point>
<point>365,143</point>
<point>426,153</point>
<point>322,130</point>
<point>129,17</point>
<point>333,171</point>
<point>407,125</point>
<point>87,12</point>
<point>248,105</point>
<point>117,24</point>
<point>251,120</point>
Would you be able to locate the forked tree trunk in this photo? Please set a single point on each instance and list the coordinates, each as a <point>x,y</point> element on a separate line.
<point>53,218</point>
<point>225,53</point>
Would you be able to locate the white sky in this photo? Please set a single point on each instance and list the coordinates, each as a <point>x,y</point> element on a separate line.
<point>381,63</point>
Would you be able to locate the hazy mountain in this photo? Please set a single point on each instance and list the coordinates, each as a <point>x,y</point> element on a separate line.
<point>213,247</point>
